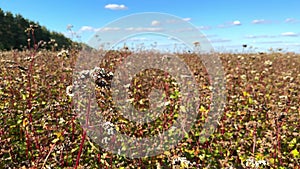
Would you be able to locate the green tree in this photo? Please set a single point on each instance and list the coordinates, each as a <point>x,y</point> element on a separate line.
<point>14,36</point>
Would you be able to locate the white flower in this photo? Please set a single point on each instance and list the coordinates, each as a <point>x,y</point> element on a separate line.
<point>283,97</point>
<point>97,73</point>
<point>69,91</point>
<point>250,162</point>
<point>243,77</point>
<point>84,74</point>
<point>181,161</point>
<point>263,162</point>
<point>63,53</point>
<point>240,57</point>
<point>104,140</point>
<point>268,63</point>
<point>109,127</point>
<point>255,164</point>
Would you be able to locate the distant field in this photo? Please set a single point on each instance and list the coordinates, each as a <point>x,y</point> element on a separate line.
<point>261,121</point>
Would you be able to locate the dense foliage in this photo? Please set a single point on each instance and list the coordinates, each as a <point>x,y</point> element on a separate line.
<point>260,125</point>
<point>15,32</point>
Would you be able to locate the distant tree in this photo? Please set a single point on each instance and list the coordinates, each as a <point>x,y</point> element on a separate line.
<point>14,36</point>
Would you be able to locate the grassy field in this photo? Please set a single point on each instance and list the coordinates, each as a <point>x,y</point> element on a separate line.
<point>260,125</point>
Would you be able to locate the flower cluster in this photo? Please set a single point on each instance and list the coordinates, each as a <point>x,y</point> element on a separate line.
<point>110,130</point>
<point>64,54</point>
<point>256,164</point>
<point>99,76</point>
<point>181,162</point>
<point>69,91</point>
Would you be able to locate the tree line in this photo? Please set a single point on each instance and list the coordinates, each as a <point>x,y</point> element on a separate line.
<point>16,33</point>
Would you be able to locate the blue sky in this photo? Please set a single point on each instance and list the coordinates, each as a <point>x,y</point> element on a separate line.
<point>227,23</point>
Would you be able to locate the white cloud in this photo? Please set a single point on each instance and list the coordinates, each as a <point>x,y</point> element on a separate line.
<point>293,44</point>
<point>155,23</point>
<point>184,30</point>
<point>223,26</point>
<point>143,29</point>
<point>230,24</point>
<point>219,40</point>
<point>108,29</point>
<point>290,34</point>
<point>187,19</point>
<point>172,38</point>
<point>92,29</point>
<point>204,27</point>
<point>115,7</point>
<point>86,28</point>
<point>260,21</point>
<point>134,39</point>
<point>171,21</point>
<point>258,36</point>
<point>291,20</point>
<point>236,22</point>
<point>270,42</point>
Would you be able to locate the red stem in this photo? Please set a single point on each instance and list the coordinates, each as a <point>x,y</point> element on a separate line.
<point>80,149</point>
<point>84,133</point>
<point>29,104</point>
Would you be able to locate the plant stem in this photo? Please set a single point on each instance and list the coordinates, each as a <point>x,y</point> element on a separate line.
<point>84,133</point>
<point>80,149</point>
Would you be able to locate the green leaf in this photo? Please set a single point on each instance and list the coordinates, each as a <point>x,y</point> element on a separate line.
<point>74,149</point>
<point>202,109</point>
<point>292,143</point>
<point>250,100</point>
<point>295,153</point>
<point>229,115</point>
<point>23,96</point>
<point>19,121</point>
<point>55,140</point>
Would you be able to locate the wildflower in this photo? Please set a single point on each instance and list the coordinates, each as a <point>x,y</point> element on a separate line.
<point>263,162</point>
<point>22,68</point>
<point>97,73</point>
<point>240,57</point>
<point>268,63</point>
<point>110,75</point>
<point>52,41</point>
<point>101,77</point>
<point>104,140</point>
<point>63,53</point>
<point>243,77</point>
<point>250,162</point>
<point>181,161</point>
<point>69,27</point>
<point>109,127</point>
<point>255,164</point>
<point>69,91</point>
<point>281,117</point>
<point>84,74</point>
<point>101,83</point>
